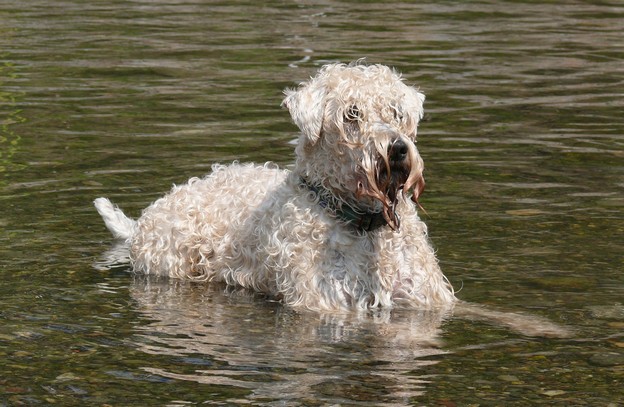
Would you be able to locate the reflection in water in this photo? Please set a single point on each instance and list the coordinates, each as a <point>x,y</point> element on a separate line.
<point>234,338</point>
<point>224,336</point>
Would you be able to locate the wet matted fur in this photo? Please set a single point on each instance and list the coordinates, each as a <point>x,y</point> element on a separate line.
<point>339,231</point>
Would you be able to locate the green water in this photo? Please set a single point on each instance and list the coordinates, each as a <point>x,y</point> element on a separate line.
<point>523,142</point>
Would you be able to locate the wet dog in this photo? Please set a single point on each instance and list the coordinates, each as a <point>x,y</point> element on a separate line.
<point>339,231</point>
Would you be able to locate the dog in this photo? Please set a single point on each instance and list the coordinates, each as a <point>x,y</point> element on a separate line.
<point>340,231</point>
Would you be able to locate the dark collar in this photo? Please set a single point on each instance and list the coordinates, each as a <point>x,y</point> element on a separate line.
<point>367,221</point>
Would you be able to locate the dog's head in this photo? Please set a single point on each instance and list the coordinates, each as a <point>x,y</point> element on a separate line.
<point>358,132</point>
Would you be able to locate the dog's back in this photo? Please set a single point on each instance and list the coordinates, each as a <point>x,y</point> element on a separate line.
<point>179,233</point>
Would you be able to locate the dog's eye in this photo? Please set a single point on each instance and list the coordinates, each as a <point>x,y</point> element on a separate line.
<point>398,114</point>
<point>352,114</point>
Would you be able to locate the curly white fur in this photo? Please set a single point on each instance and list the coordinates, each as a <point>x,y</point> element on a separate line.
<point>260,227</point>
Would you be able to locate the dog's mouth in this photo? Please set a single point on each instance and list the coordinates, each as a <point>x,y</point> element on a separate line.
<point>397,170</point>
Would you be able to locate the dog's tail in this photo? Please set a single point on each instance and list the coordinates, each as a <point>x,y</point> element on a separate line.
<point>121,226</point>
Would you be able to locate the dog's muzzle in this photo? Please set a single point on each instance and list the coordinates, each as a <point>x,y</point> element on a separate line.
<point>396,172</point>
<point>398,153</point>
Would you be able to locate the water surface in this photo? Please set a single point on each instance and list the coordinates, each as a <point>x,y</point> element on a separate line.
<point>524,150</point>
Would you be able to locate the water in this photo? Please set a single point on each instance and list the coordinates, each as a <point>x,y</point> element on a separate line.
<point>524,147</point>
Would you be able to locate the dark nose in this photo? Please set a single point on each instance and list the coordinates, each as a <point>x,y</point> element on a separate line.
<point>398,151</point>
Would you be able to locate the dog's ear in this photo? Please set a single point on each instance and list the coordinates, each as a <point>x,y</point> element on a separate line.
<point>414,100</point>
<point>306,106</point>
